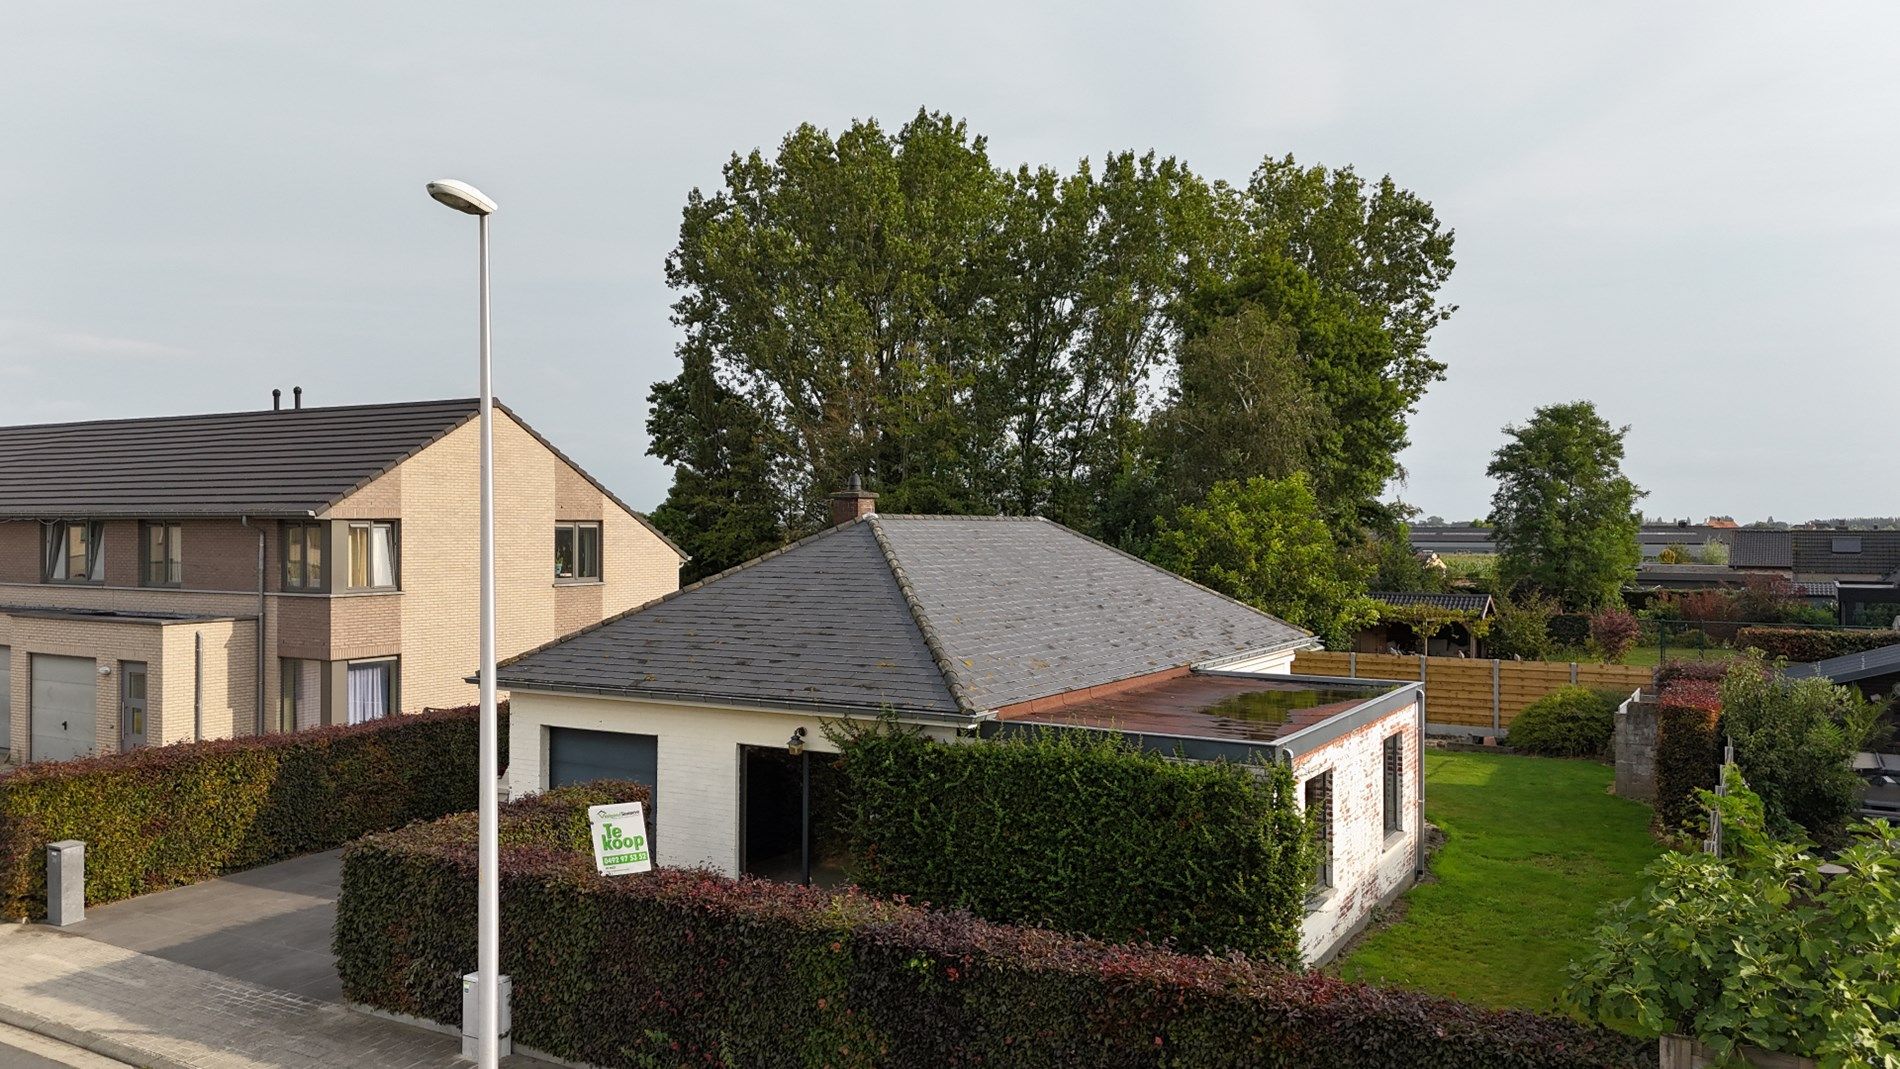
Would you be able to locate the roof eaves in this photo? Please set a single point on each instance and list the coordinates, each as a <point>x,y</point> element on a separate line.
<point>952,678</point>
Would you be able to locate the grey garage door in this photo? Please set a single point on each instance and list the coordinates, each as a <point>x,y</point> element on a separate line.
<point>576,756</point>
<point>63,707</point>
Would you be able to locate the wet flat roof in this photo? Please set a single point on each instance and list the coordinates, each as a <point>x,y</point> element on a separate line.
<point>1236,708</point>
<point>57,612</point>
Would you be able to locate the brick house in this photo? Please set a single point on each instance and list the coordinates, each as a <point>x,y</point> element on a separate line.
<point>716,696</point>
<point>195,577</point>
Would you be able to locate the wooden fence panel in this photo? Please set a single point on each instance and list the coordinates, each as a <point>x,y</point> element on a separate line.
<point>1460,692</point>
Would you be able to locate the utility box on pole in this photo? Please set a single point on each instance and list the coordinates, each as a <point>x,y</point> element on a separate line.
<point>65,882</point>
<point>471,1016</point>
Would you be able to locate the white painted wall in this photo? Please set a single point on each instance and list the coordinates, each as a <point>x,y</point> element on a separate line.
<point>1368,866</point>
<point>1280,663</point>
<point>697,797</point>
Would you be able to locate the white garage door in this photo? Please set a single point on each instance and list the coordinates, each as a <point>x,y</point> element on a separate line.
<point>63,697</point>
<point>6,698</point>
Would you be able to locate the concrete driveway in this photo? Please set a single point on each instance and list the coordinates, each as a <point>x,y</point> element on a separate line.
<point>268,926</point>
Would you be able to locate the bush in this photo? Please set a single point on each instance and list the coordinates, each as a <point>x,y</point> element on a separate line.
<point>1708,671</point>
<point>685,967</point>
<point>1795,741</point>
<point>1688,750</point>
<point>1567,722</point>
<point>980,827</point>
<point>1613,631</point>
<point>1758,948</point>
<point>164,816</point>
<point>1568,629</point>
<point>1803,644</point>
<point>1521,628</point>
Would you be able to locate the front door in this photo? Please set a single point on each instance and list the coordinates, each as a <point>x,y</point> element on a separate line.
<point>131,705</point>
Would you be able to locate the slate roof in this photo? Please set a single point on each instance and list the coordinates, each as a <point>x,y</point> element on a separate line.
<point>950,616</point>
<point>1851,668</point>
<point>1761,549</point>
<point>1878,552</point>
<point>267,462</point>
<point>1478,603</point>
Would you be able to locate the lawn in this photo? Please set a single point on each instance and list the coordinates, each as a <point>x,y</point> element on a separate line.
<point>1533,848</point>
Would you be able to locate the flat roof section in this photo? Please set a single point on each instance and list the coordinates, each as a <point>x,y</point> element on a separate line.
<point>1232,708</point>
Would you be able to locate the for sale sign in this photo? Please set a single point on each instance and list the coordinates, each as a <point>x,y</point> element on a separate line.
<point>620,839</point>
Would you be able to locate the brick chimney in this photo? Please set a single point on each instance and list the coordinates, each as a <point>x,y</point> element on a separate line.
<point>850,503</point>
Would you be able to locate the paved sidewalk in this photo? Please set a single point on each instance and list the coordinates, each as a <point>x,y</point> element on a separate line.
<point>149,1011</point>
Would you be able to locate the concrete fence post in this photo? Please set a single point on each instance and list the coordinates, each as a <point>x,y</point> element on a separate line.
<point>65,882</point>
<point>1421,668</point>
<point>1497,706</point>
<point>1573,673</point>
<point>1352,664</point>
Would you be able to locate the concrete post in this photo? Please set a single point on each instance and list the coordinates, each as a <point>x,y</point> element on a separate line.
<point>471,1001</point>
<point>65,882</point>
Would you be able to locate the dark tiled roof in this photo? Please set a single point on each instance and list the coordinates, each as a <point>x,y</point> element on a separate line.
<point>268,462</point>
<point>1478,603</point>
<point>944,615</point>
<point>1851,668</point>
<point>1822,553</point>
<point>1761,549</point>
<point>1817,588</point>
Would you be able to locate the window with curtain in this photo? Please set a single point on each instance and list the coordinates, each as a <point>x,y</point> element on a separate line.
<point>372,556</point>
<point>74,552</point>
<point>1319,809</point>
<point>577,551</point>
<point>303,556</point>
<point>163,563</point>
<point>370,685</point>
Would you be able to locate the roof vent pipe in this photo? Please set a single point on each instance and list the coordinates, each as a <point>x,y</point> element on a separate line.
<point>276,400</point>
<point>296,397</point>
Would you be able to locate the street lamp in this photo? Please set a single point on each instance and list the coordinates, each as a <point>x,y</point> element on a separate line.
<point>466,198</point>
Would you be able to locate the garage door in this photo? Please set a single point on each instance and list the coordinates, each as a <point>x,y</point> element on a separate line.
<point>6,698</point>
<point>576,756</point>
<point>63,707</point>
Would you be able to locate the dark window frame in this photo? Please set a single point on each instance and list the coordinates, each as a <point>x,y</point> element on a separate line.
<point>305,534</point>
<point>173,534</point>
<point>349,555</point>
<point>1394,786</point>
<point>1316,792</point>
<point>578,571</point>
<point>53,549</point>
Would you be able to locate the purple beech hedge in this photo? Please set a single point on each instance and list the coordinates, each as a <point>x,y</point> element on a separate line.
<point>684,967</point>
<point>168,815</point>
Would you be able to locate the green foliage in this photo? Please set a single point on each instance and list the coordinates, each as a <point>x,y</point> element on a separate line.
<point>1795,740</point>
<point>1263,542</point>
<point>1388,558</point>
<point>159,817</point>
<point>1759,948</point>
<point>682,967</point>
<point>1567,722</point>
<point>972,338</point>
<point>1613,630</point>
<point>1222,851</point>
<point>1478,568</point>
<point>1801,645</point>
<point>1688,751</point>
<point>1428,621</point>
<point>1564,512</point>
<point>1520,627</point>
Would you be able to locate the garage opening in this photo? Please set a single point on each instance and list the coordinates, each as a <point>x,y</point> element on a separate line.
<point>788,806</point>
<point>578,756</point>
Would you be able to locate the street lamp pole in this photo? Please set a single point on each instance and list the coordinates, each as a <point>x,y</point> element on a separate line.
<point>466,198</point>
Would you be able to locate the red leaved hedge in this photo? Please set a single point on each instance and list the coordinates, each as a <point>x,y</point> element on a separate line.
<point>1688,748</point>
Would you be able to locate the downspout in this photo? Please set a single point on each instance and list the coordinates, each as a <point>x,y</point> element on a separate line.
<point>246,521</point>
<point>1418,843</point>
<point>198,685</point>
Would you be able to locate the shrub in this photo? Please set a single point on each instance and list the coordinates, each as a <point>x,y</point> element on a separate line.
<point>1795,741</point>
<point>1613,631</point>
<point>1757,948</point>
<point>1709,671</point>
<point>1567,722</point>
<point>1804,644</point>
<point>684,967</point>
<point>1688,750</point>
<point>1521,627</point>
<point>1568,629</point>
<point>159,817</point>
<point>1130,846</point>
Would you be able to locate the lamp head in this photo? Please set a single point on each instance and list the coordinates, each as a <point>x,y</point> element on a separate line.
<point>796,744</point>
<point>461,196</point>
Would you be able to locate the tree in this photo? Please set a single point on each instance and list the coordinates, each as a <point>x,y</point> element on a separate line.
<point>1263,542</point>
<point>1564,513</point>
<point>1795,741</point>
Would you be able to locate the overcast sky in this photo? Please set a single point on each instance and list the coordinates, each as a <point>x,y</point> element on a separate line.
<point>1688,213</point>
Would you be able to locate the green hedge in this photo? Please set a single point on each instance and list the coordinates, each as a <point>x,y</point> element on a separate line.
<point>1688,750</point>
<point>1083,834</point>
<point>1800,645</point>
<point>677,968</point>
<point>1570,721</point>
<point>164,816</point>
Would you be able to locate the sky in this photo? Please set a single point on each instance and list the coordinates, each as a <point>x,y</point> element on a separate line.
<point>1687,213</point>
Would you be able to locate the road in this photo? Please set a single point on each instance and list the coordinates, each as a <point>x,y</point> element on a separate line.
<point>20,1049</point>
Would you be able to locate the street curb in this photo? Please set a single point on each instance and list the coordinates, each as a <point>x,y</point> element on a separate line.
<point>97,1044</point>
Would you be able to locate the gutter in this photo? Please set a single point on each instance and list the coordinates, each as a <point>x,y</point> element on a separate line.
<point>789,706</point>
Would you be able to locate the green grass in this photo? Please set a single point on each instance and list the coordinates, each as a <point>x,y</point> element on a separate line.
<point>1647,655</point>
<point>1469,565</point>
<point>1534,847</point>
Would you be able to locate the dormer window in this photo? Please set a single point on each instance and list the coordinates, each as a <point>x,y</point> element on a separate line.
<point>73,552</point>
<point>1847,544</point>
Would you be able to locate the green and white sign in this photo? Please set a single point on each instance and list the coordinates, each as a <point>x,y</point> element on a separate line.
<point>620,839</point>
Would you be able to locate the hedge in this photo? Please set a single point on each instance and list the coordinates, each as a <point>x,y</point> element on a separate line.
<point>164,816</point>
<point>1569,630</point>
<point>1800,645</point>
<point>674,968</point>
<point>1087,835</point>
<point>1711,671</point>
<point>1688,749</point>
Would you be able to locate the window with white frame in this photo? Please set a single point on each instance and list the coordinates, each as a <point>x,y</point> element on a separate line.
<point>372,555</point>
<point>577,551</point>
<point>74,552</point>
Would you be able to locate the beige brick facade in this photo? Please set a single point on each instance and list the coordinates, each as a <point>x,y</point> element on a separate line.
<point>429,623</point>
